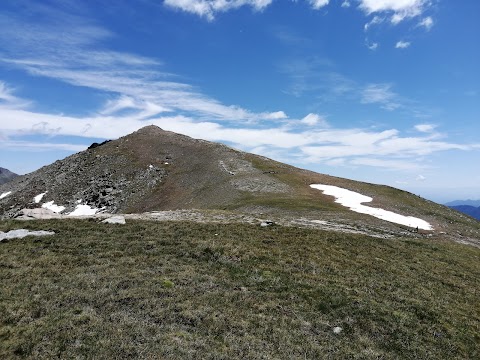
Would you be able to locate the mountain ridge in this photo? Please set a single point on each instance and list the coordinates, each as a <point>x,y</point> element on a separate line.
<point>474,203</point>
<point>157,170</point>
<point>469,210</point>
<point>6,175</point>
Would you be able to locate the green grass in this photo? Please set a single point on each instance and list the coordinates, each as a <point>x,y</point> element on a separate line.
<point>216,291</point>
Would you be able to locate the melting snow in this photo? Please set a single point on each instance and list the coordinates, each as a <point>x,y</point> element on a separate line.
<point>5,194</point>
<point>83,210</point>
<point>55,208</point>
<point>354,200</point>
<point>39,197</point>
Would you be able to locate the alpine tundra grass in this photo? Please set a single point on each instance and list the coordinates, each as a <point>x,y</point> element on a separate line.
<point>172,290</point>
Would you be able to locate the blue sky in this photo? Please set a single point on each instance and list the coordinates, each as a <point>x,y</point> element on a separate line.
<point>383,91</point>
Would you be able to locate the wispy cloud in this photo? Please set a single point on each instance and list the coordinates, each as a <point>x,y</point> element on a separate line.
<point>402,44</point>
<point>317,4</point>
<point>393,12</point>
<point>37,146</point>
<point>7,97</point>
<point>372,46</point>
<point>79,59</point>
<point>398,9</point>
<point>375,21</point>
<point>140,92</point>
<point>317,77</point>
<point>426,128</point>
<point>427,23</point>
<point>380,94</point>
<point>209,8</point>
<point>307,140</point>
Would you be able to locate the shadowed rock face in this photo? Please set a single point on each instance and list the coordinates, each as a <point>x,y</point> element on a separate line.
<point>154,170</point>
<point>6,175</point>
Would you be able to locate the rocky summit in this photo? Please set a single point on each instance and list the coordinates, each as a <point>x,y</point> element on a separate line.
<point>154,170</point>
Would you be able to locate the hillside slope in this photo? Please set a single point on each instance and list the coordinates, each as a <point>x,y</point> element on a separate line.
<point>152,169</point>
<point>183,290</point>
<point>6,175</point>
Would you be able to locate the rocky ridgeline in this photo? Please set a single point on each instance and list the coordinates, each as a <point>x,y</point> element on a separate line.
<point>6,175</point>
<point>103,181</point>
<point>150,169</point>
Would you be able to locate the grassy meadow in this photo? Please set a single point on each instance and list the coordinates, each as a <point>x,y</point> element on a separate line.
<point>183,290</point>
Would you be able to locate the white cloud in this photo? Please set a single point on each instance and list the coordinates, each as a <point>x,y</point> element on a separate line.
<point>209,8</point>
<point>140,94</point>
<point>375,21</point>
<point>314,119</point>
<point>380,94</point>
<point>426,128</point>
<point>391,164</point>
<point>7,97</point>
<point>37,146</point>
<point>274,115</point>
<point>372,46</point>
<point>421,178</point>
<point>138,82</point>
<point>402,44</point>
<point>317,4</point>
<point>399,9</point>
<point>346,4</point>
<point>333,146</point>
<point>427,23</point>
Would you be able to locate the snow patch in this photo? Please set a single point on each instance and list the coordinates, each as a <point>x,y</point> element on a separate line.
<point>51,206</point>
<point>150,166</point>
<point>21,233</point>
<point>81,210</point>
<point>5,194</point>
<point>354,200</point>
<point>39,197</point>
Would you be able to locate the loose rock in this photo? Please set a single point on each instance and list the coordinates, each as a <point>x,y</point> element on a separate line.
<point>337,330</point>
<point>118,219</point>
<point>21,233</point>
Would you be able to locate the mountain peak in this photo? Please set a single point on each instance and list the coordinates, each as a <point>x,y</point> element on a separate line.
<point>153,170</point>
<point>150,129</point>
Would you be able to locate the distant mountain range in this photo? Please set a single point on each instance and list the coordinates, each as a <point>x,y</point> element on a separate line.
<point>469,207</point>
<point>6,175</point>
<point>474,203</point>
<point>469,210</point>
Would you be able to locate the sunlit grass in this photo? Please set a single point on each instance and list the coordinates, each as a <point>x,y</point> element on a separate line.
<point>219,291</point>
